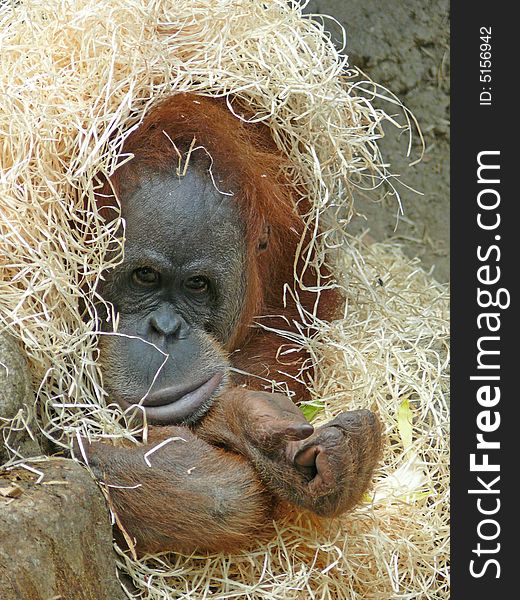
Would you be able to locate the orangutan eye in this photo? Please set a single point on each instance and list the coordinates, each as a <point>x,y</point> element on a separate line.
<point>197,284</point>
<point>146,276</point>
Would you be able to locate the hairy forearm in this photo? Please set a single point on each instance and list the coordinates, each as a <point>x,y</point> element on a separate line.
<point>223,425</point>
<point>185,496</point>
<point>325,471</point>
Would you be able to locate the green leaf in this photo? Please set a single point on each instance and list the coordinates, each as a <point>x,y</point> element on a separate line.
<point>367,498</point>
<point>421,495</point>
<point>312,409</point>
<point>404,423</point>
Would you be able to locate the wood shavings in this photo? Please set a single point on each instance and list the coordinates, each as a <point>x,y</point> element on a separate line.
<point>11,491</point>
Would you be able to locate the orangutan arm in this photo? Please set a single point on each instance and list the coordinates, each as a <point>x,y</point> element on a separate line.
<point>325,471</point>
<point>185,495</point>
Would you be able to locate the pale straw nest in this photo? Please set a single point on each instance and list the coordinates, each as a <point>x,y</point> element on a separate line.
<point>75,78</point>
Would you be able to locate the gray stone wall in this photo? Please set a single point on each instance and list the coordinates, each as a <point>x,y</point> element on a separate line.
<point>405,47</point>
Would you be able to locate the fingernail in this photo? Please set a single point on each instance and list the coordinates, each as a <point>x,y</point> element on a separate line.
<point>300,430</point>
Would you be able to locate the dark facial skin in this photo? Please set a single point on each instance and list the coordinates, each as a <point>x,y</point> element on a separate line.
<point>179,295</point>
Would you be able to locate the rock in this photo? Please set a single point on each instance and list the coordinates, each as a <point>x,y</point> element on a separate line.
<point>55,537</point>
<point>15,393</point>
<point>15,378</point>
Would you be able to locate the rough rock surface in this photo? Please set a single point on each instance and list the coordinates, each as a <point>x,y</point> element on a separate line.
<point>405,46</point>
<point>55,537</point>
<point>16,394</point>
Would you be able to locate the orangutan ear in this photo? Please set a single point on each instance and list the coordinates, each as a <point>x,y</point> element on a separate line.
<point>263,240</point>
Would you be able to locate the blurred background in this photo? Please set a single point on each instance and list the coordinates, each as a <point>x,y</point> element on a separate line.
<point>405,47</point>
